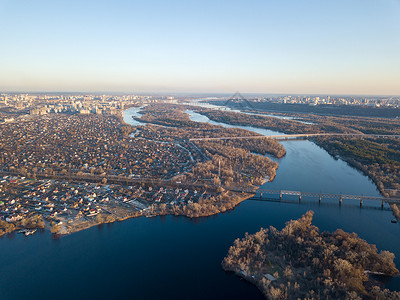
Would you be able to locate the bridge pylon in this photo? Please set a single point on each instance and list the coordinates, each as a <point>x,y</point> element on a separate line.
<point>238,100</point>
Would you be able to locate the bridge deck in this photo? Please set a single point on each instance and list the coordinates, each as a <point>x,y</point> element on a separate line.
<point>258,193</point>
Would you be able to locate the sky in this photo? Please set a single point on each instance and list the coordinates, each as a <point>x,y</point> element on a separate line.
<point>204,46</point>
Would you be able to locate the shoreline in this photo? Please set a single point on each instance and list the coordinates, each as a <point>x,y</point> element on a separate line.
<point>87,224</point>
<point>356,165</point>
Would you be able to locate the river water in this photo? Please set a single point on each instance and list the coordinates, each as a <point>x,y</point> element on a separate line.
<point>201,103</point>
<point>178,258</point>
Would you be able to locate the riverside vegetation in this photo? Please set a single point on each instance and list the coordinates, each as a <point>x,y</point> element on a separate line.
<point>299,262</point>
<point>396,211</point>
<point>273,123</point>
<point>322,109</point>
<point>30,221</point>
<point>379,159</point>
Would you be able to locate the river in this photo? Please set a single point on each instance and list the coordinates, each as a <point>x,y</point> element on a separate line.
<point>308,168</point>
<point>178,258</point>
<point>202,103</point>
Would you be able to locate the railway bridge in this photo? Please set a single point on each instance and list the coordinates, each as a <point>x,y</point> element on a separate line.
<point>268,195</point>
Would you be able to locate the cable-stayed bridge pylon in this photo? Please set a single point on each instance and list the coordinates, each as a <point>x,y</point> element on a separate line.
<point>238,101</point>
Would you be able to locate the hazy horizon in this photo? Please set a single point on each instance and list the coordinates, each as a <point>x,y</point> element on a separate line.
<point>188,94</point>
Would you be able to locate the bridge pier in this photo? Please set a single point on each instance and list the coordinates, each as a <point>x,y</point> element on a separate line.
<point>259,194</point>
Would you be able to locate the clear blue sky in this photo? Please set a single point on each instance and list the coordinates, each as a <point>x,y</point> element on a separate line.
<point>266,46</point>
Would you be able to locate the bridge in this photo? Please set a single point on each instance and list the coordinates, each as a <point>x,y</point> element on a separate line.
<point>285,137</point>
<point>268,195</point>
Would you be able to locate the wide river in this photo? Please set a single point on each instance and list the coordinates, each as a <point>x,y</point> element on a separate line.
<point>179,258</point>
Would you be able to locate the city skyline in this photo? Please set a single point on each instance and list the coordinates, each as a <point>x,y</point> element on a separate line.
<point>207,47</point>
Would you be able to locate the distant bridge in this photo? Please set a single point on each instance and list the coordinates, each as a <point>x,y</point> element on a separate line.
<point>238,100</point>
<point>298,136</point>
<point>267,195</point>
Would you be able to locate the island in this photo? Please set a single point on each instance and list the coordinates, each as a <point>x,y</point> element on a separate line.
<point>300,262</point>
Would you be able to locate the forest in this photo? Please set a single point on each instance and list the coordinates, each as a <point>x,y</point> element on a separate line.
<point>367,125</point>
<point>260,146</point>
<point>326,109</point>
<point>218,203</point>
<point>300,262</point>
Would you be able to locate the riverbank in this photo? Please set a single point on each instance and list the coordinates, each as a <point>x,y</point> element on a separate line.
<point>104,219</point>
<point>379,161</point>
<point>227,202</point>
